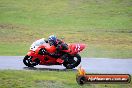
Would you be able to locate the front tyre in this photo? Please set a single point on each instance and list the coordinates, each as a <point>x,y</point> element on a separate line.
<point>28,61</point>
<point>71,62</point>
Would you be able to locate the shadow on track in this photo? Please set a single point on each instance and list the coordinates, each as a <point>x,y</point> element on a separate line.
<point>48,69</point>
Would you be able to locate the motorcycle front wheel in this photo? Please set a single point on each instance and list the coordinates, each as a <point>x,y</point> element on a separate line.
<point>71,62</point>
<point>28,61</point>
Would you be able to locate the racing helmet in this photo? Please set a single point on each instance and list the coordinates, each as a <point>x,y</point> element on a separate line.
<point>52,40</point>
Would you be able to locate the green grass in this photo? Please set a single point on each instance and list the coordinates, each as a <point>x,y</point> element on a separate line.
<point>47,79</point>
<point>104,25</point>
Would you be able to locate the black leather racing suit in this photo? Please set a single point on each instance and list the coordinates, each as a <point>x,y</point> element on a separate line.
<point>59,47</point>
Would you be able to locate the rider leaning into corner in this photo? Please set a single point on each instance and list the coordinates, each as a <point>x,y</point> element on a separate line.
<point>59,44</point>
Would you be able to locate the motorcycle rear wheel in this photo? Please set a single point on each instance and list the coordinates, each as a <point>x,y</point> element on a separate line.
<point>70,61</point>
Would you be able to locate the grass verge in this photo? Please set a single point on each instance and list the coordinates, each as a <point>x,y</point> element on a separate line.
<point>104,26</point>
<point>46,79</point>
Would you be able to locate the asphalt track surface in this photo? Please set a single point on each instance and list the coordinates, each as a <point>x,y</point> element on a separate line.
<point>91,65</point>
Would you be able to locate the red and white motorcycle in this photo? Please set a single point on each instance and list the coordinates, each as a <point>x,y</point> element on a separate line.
<point>72,57</point>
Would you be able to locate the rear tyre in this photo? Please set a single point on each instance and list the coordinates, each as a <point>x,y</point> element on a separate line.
<point>28,61</point>
<point>71,62</point>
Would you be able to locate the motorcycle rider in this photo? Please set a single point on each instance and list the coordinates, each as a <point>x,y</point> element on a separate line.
<point>59,44</point>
